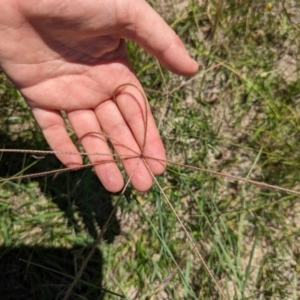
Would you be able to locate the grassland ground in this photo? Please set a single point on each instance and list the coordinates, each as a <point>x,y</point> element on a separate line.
<point>239,115</point>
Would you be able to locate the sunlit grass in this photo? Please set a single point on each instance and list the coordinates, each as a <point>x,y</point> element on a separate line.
<point>240,115</point>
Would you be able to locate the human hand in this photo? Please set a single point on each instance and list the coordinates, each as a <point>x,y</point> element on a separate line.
<point>70,56</point>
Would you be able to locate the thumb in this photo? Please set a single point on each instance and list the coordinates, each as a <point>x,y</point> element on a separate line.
<point>152,33</point>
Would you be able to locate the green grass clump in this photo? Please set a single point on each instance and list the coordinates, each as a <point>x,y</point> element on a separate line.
<point>239,115</point>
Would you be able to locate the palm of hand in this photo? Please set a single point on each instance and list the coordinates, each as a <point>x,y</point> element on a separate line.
<point>71,62</point>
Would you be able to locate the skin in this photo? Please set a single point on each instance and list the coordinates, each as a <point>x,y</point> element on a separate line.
<point>70,56</point>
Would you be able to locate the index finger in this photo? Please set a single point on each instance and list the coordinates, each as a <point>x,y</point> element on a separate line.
<point>139,118</point>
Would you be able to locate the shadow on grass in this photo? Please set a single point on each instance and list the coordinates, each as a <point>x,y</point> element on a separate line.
<point>75,192</point>
<point>45,273</point>
<point>38,272</point>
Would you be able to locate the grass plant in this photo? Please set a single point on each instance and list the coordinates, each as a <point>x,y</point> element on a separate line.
<point>240,115</point>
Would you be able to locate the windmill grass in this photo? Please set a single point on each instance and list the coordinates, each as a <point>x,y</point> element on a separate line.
<point>239,115</point>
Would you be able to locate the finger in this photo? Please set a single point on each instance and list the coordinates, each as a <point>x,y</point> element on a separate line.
<point>114,125</point>
<point>151,32</point>
<point>54,130</point>
<point>88,130</point>
<point>135,109</point>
